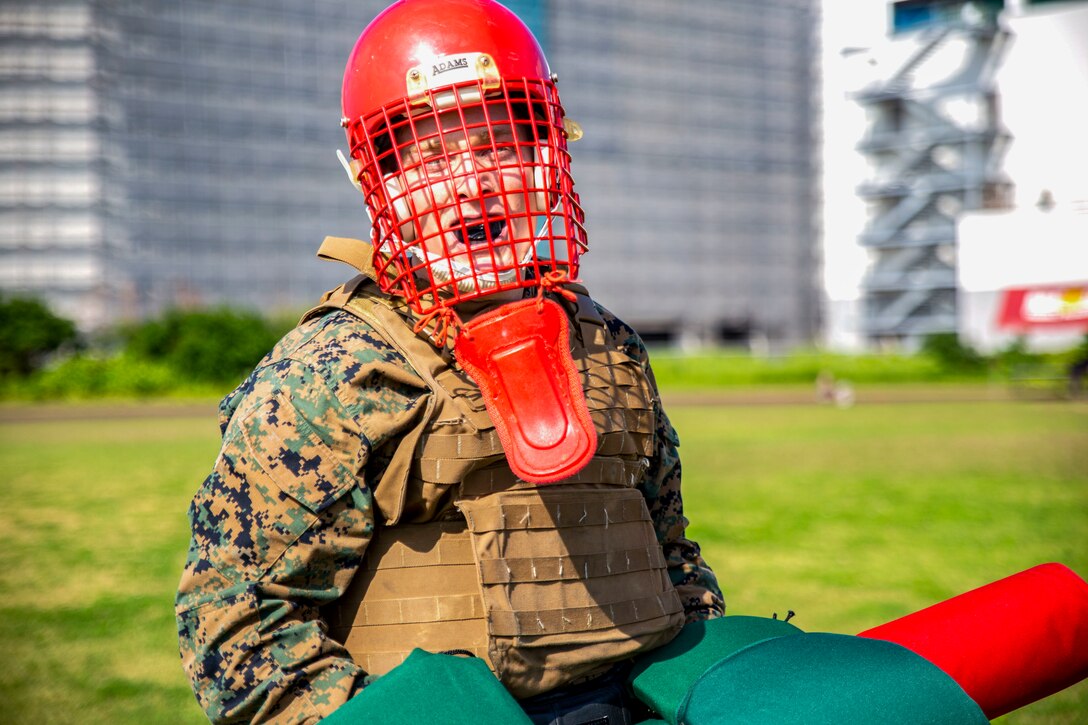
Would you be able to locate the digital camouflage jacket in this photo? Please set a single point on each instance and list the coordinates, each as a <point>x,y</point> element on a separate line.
<point>281,524</point>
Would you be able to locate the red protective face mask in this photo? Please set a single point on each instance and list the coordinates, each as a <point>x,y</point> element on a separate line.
<point>458,142</point>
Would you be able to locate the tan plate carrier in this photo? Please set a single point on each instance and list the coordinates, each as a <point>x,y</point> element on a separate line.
<point>547,584</point>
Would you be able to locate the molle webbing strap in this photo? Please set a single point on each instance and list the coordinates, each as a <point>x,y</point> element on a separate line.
<point>575,620</point>
<point>449,471</point>
<point>441,543</point>
<point>619,373</point>
<point>559,568</point>
<point>419,610</point>
<point>567,509</point>
<point>589,321</point>
<point>459,387</point>
<point>619,399</point>
<point>519,356</point>
<point>621,442</point>
<point>617,395</point>
<point>456,446</point>
<point>620,406</point>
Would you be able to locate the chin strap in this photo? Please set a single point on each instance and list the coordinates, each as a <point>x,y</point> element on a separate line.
<point>444,319</point>
<point>553,282</point>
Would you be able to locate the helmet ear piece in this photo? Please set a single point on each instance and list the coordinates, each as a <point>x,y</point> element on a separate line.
<point>394,190</point>
<point>353,168</point>
<point>398,202</point>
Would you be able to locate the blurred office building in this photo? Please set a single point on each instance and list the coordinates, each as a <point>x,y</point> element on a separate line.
<point>936,144</point>
<point>155,155</point>
<point>171,154</point>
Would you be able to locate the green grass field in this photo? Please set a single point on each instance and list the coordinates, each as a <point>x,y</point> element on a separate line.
<point>848,517</point>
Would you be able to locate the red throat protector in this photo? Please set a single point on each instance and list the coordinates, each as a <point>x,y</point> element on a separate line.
<point>519,356</point>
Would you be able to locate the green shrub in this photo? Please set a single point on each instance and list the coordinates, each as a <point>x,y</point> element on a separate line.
<point>1074,355</point>
<point>952,355</point>
<point>719,369</point>
<point>29,332</point>
<point>217,346</point>
<point>87,376</point>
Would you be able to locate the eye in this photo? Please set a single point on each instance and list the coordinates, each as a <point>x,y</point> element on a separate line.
<point>498,156</point>
<point>435,163</point>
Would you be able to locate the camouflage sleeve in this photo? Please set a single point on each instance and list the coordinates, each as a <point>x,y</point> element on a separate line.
<point>278,529</point>
<point>694,581</point>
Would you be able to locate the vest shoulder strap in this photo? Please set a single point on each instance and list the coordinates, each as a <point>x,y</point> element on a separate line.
<point>352,252</point>
<point>380,312</point>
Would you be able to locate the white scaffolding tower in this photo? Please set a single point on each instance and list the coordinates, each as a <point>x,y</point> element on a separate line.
<point>935,144</point>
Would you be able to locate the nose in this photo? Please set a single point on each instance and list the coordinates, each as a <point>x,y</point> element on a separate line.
<point>469,181</point>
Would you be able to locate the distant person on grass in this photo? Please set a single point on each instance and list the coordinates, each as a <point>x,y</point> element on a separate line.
<point>458,450</point>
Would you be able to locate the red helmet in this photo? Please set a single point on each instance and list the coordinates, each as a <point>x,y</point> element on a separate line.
<point>459,144</point>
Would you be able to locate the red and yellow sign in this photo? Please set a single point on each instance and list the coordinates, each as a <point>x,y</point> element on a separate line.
<point>1026,308</point>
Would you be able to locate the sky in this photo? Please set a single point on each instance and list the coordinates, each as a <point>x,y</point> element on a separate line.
<point>844,25</point>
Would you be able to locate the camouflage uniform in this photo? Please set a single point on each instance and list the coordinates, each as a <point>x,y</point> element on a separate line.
<point>281,524</point>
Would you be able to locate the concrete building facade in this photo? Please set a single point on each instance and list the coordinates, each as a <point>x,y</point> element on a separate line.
<point>170,154</point>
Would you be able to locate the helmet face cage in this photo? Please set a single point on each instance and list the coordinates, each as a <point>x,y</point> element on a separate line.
<point>469,190</point>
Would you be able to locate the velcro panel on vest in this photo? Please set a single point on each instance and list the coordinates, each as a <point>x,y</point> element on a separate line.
<point>572,577</point>
<point>614,470</point>
<point>392,605</point>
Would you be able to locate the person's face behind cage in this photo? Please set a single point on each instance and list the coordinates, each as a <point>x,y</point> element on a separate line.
<point>468,179</point>
<point>470,193</point>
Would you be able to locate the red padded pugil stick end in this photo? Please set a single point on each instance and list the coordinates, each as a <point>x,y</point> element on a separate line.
<point>1008,643</point>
